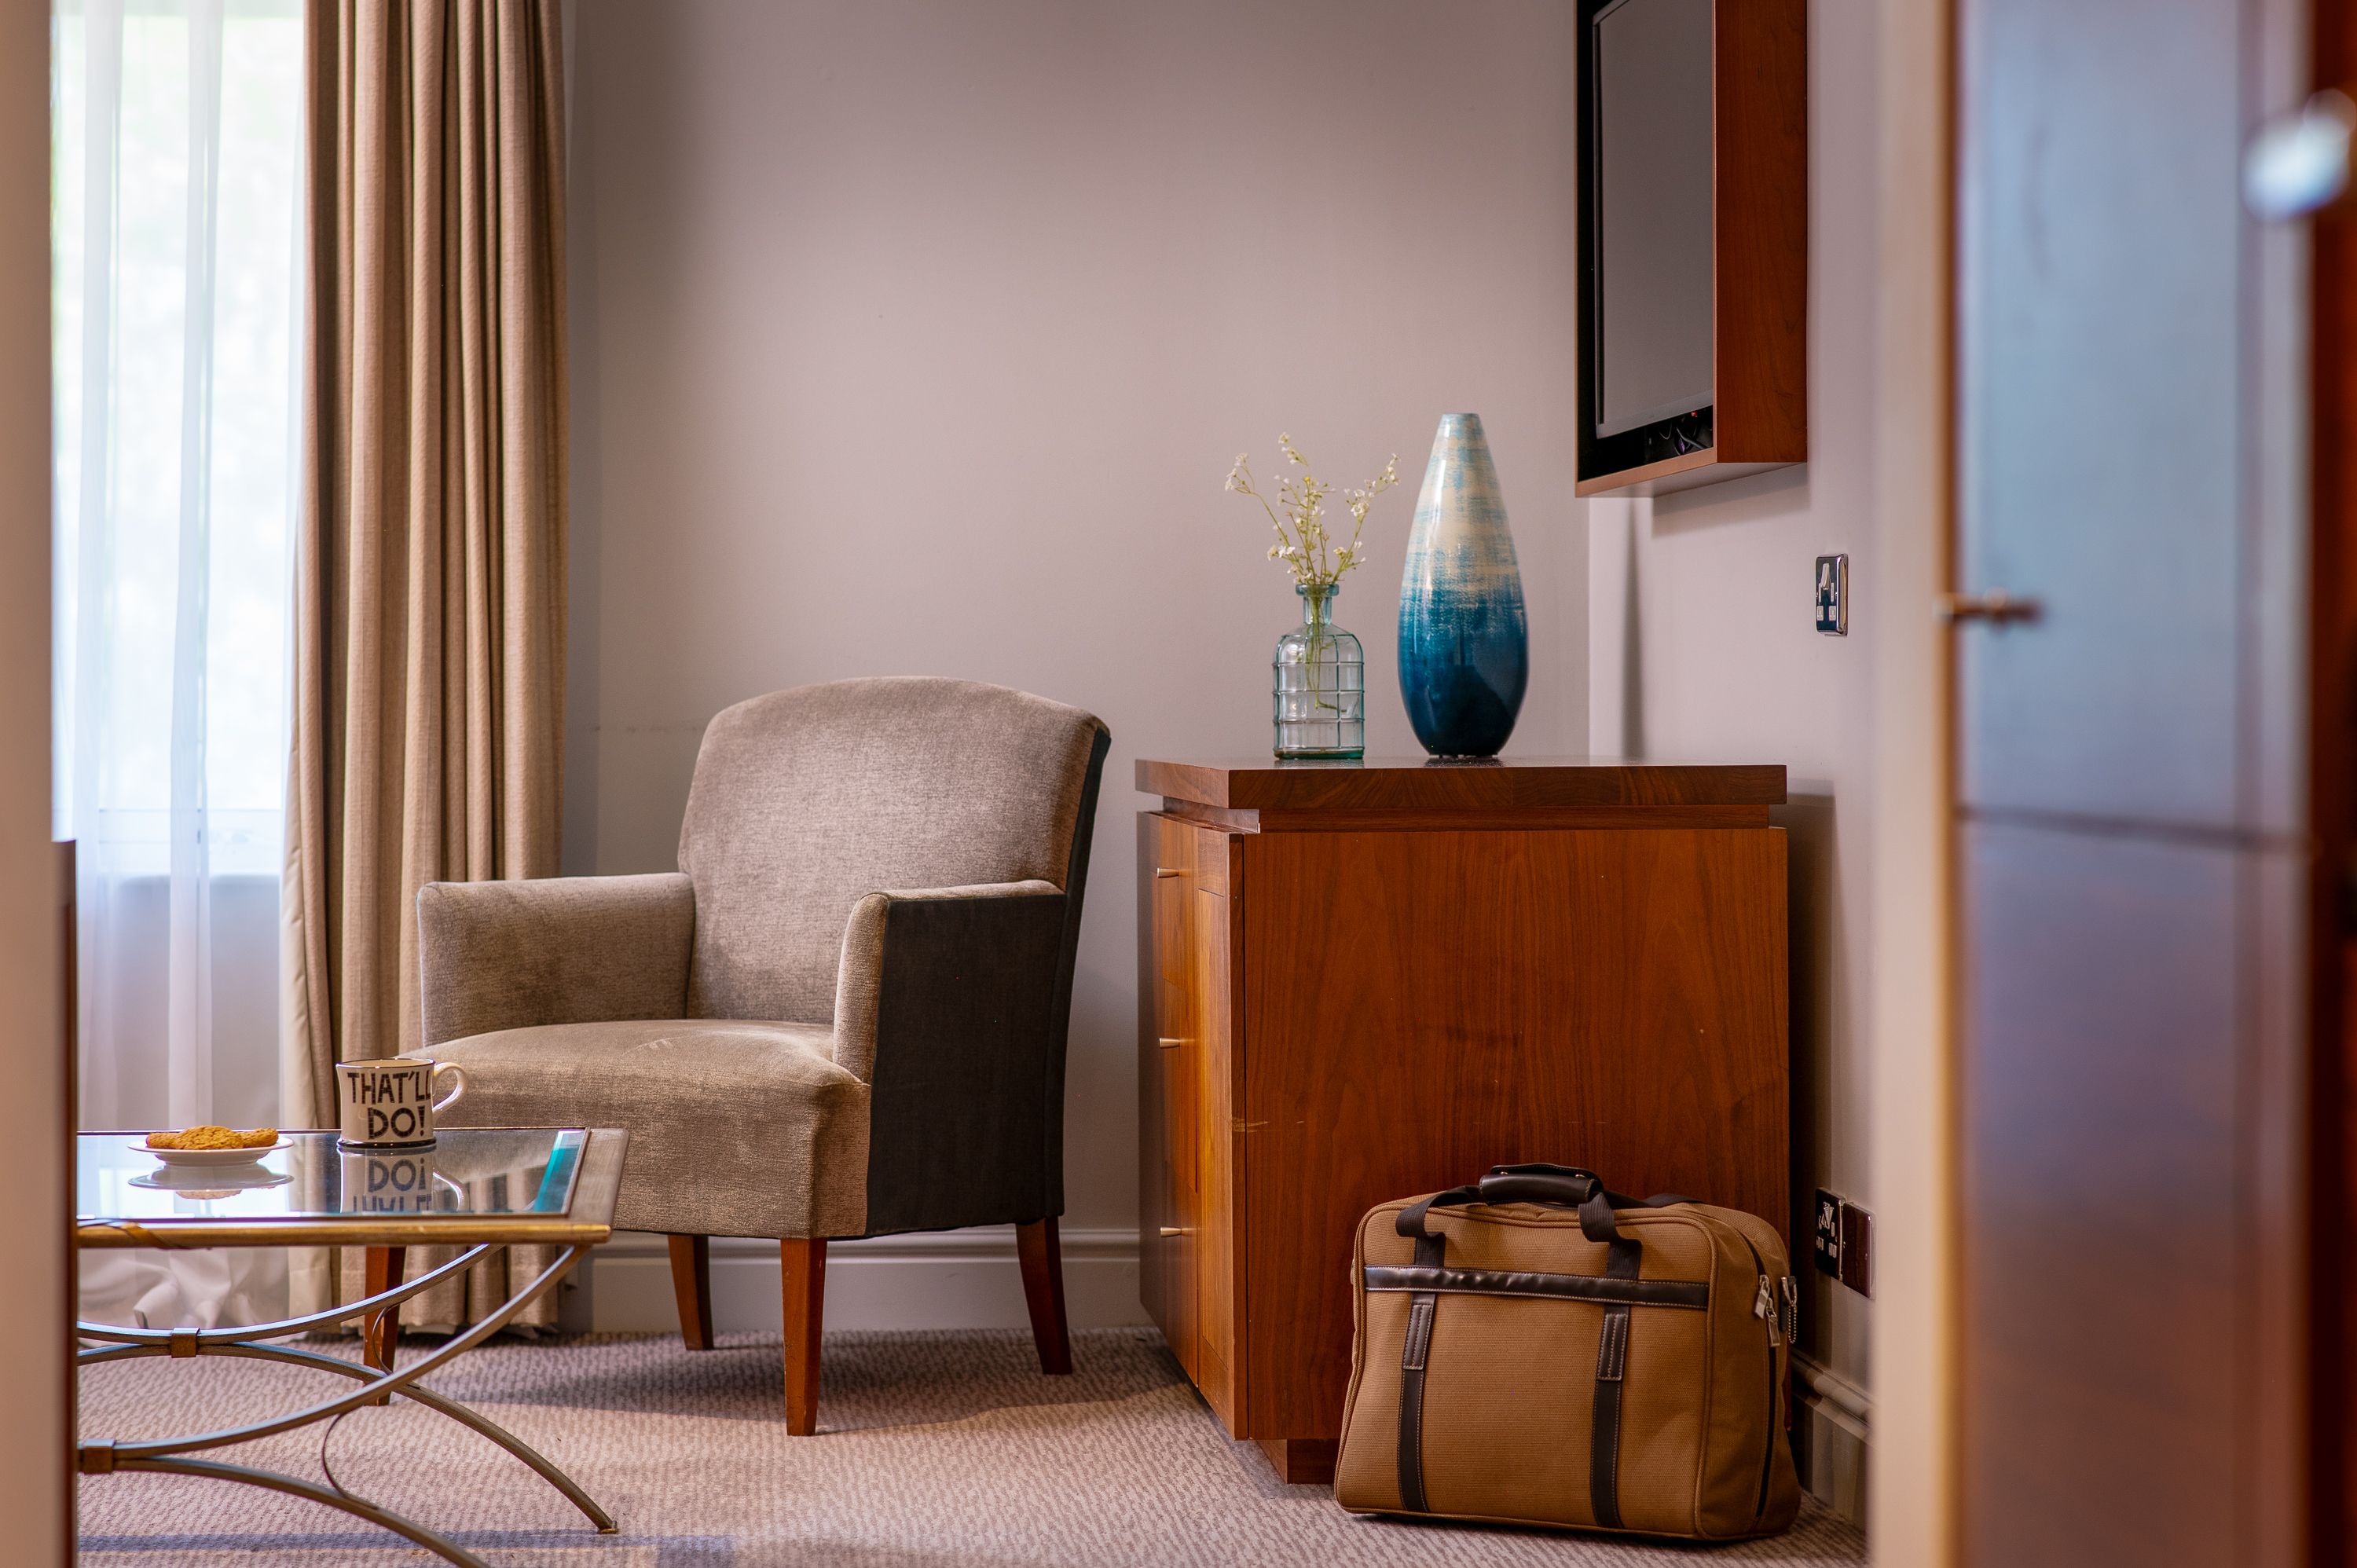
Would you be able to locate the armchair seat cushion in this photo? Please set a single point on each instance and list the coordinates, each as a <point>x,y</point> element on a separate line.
<point>737,1128</point>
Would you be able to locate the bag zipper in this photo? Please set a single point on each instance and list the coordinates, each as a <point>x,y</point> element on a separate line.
<point>1764,1306</point>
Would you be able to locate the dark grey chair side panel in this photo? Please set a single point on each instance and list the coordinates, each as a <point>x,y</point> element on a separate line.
<point>1076,881</point>
<point>965,1048</point>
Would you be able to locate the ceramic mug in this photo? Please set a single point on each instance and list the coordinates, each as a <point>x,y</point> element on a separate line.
<point>390,1104</point>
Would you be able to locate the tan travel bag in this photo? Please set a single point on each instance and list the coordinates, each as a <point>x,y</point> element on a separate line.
<point>1533,1349</point>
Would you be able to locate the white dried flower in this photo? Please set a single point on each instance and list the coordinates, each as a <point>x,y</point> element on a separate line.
<point>1297,516</point>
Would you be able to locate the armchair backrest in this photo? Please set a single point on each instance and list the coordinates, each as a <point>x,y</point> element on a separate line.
<point>806,799</point>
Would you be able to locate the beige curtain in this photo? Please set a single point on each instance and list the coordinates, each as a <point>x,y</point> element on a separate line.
<point>430,565</point>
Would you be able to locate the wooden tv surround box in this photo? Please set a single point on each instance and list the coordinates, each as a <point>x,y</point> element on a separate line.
<point>1359,980</point>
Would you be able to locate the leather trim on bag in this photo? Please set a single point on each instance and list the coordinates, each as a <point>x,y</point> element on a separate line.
<point>1604,1459</point>
<point>1622,1260</point>
<point>1612,1349</point>
<point>1564,1287</point>
<point>1418,1351</point>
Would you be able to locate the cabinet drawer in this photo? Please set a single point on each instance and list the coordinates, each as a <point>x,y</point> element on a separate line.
<point>1169,1106</point>
<point>1194,855</point>
<point>1186,1072</point>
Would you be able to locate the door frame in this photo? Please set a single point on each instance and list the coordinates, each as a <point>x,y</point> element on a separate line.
<point>35,1310</point>
<point>1911,1507</point>
<point>2332,792</point>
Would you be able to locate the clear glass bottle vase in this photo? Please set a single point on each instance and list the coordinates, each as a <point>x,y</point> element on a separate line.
<point>1320,687</point>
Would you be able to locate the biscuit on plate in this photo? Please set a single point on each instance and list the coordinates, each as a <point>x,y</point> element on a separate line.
<point>213,1137</point>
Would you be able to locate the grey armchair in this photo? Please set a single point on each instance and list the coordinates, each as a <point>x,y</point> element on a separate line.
<point>844,1015</point>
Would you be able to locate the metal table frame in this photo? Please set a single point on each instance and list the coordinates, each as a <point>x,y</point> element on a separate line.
<point>576,1232</point>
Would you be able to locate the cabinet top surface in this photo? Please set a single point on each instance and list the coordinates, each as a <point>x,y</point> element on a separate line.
<point>1396,783</point>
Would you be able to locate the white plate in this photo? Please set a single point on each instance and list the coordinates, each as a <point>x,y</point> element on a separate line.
<point>198,1157</point>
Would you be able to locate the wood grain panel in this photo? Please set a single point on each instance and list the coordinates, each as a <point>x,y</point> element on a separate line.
<point>1209,852</point>
<point>1155,1202</point>
<point>1759,200</point>
<point>1167,1284</point>
<point>1209,1060</point>
<point>1418,784</point>
<point>1686,471</point>
<point>1302,1461</point>
<point>1418,1006</point>
<point>1356,819</point>
<point>1178,1048</point>
<point>2104,1350</point>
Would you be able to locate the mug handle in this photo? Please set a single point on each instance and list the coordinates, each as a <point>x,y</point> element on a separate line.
<point>455,1095</point>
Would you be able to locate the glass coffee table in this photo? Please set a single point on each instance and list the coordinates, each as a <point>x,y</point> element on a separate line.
<point>485,1190</point>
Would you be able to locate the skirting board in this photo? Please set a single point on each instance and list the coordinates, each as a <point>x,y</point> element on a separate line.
<point>1830,1440</point>
<point>953,1279</point>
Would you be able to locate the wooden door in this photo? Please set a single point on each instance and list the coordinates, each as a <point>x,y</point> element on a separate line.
<point>2130,848</point>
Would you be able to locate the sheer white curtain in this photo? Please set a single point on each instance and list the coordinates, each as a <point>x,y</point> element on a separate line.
<point>178,143</point>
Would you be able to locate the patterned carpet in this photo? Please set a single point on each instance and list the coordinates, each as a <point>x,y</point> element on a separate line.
<point>933,1449</point>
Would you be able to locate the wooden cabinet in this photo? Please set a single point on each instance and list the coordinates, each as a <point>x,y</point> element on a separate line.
<point>1367,980</point>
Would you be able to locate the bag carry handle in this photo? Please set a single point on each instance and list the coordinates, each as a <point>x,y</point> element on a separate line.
<point>1564,1187</point>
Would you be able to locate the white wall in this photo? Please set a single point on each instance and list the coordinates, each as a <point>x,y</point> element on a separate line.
<point>1703,647</point>
<point>918,337</point>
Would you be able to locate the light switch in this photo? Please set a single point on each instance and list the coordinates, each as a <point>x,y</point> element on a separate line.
<point>1832,594</point>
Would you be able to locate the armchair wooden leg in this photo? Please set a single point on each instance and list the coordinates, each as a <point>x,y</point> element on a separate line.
<point>381,1269</point>
<point>691,1282</point>
<point>804,1268</point>
<point>1042,1257</point>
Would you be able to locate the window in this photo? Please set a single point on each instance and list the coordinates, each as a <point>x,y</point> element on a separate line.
<point>176,228</point>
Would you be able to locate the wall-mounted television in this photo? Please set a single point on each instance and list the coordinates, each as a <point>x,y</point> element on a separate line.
<point>1692,241</point>
<point>1649,129</point>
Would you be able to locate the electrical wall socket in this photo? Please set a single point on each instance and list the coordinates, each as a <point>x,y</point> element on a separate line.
<point>1842,1241</point>
<point>1825,1244</point>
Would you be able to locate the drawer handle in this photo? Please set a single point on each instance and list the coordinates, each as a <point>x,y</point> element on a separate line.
<point>1166,871</point>
<point>1174,1231</point>
<point>1170,1045</point>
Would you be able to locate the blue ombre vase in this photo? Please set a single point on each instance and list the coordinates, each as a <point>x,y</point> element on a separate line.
<point>1464,641</point>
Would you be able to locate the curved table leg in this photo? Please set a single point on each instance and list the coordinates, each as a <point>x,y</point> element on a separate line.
<point>214,1470</point>
<point>98,1458</point>
<point>389,1383</point>
<point>288,1328</point>
<point>451,1408</point>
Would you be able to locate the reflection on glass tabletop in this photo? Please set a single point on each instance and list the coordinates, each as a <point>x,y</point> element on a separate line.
<point>467,1173</point>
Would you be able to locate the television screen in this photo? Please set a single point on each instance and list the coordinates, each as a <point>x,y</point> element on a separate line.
<point>1650,163</point>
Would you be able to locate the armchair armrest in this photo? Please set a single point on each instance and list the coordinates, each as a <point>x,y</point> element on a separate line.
<point>949,1005</point>
<point>933,952</point>
<point>559,949</point>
